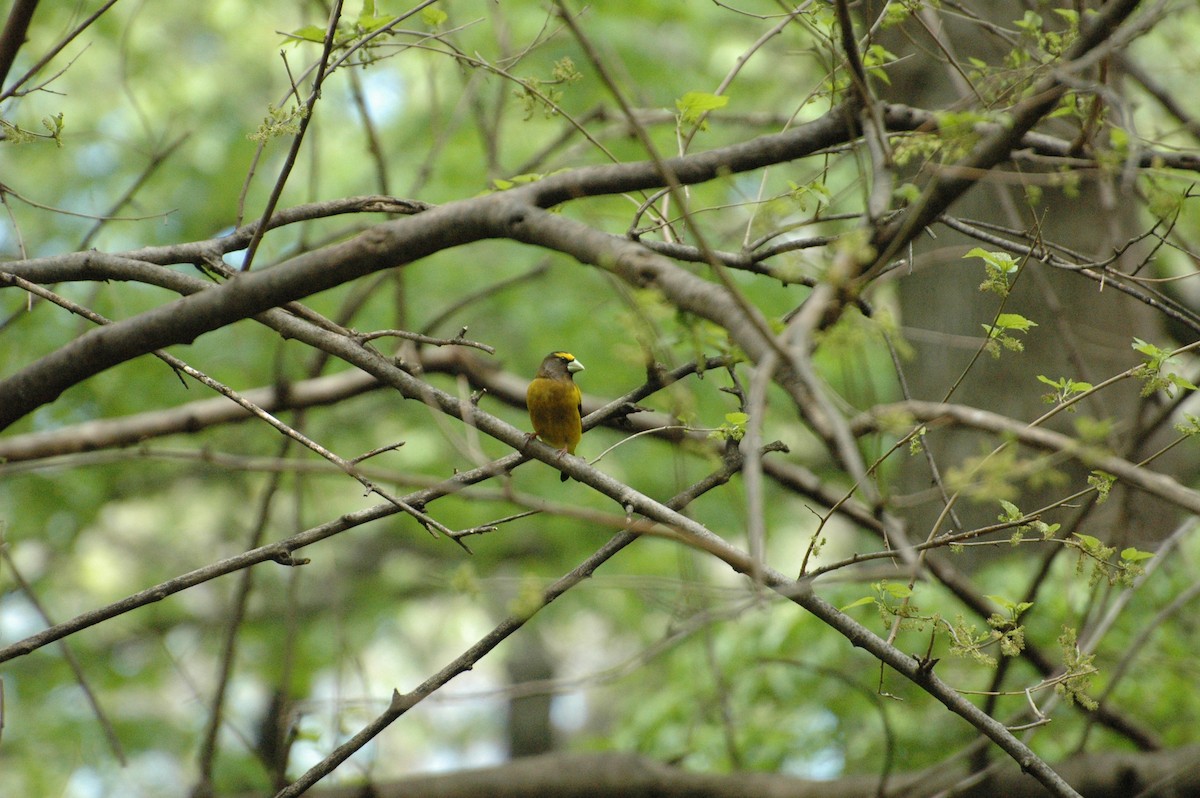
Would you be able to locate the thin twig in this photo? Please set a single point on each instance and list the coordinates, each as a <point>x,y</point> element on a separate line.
<point>285,171</point>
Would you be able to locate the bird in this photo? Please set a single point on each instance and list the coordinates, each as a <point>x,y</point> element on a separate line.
<point>555,403</point>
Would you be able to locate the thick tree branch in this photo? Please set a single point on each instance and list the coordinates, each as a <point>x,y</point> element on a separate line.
<point>244,296</point>
<point>1174,773</point>
<point>384,246</point>
<point>404,241</point>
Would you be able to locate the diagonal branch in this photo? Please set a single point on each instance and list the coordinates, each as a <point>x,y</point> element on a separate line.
<point>335,16</point>
<point>401,703</point>
<point>55,50</point>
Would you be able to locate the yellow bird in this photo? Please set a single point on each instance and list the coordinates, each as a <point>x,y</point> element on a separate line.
<point>555,403</point>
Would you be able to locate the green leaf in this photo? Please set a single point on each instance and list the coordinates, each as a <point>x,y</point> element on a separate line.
<point>1189,426</point>
<point>309,33</point>
<point>1180,382</point>
<point>1064,389</point>
<point>874,57</point>
<point>733,429</point>
<point>1069,14</point>
<point>695,104</point>
<point>54,124</point>
<point>504,184</point>
<point>999,266</point>
<point>1001,260</point>
<point>802,194</point>
<point>907,192</point>
<point>1151,372</point>
<point>1047,530</point>
<point>1014,321</point>
<point>1011,511</point>
<point>1031,22</point>
<point>1148,349</point>
<point>859,602</point>
<point>1101,482</point>
<point>1001,601</point>
<point>433,17</point>
<point>1014,608</point>
<point>1135,555</point>
<point>370,23</point>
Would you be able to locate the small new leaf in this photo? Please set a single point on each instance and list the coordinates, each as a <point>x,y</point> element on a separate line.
<point>1101,482</point>
<point>1011,511</point>
<point>1064,390</point>
<point>309,33</point>
<point>695,104</point>
<point>1132,555</point>
<point>54,124</point>
<point>1014,608</point>
<point>859,602</point>
<point>1152,373</point>
<point>908,193</point>
<point>916,443</point>
<point>816,190</point>
<point>874,57</point>
<point>1014,321</point>
<point>998,333</point>
<point>1189,426</point>
<point>893,589</point>
<point>504,184</point>
<point>999,266</point>
<point>433,17</point>
<point>279,122</point>
<point>734,428</point>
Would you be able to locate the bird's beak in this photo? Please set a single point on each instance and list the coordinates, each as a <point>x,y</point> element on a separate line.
<point>574,366</point>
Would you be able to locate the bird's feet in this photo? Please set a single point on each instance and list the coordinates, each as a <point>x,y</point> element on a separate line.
<point>562,453</point>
